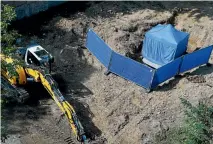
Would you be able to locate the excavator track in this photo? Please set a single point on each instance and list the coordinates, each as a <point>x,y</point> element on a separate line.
<point>23,95</point>
<point>20,95</point>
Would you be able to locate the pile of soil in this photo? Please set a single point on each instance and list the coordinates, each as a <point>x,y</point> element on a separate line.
<point>112,109</point>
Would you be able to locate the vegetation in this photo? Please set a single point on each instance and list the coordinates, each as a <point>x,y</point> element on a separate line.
<point>8,38</point>
<point>198,123</point>
<point>197,127</point>
<point>8,48</point>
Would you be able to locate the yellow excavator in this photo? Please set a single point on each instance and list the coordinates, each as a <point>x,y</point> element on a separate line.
<point>37,60</point>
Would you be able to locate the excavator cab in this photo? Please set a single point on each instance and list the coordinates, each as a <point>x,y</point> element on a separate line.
<point>31,59</point>
<point>38,56</point>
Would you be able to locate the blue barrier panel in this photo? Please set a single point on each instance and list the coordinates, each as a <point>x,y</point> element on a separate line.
<point>131,70</point>
<point>98,48</point>
<point>166,72</point>
<point>195,59</point>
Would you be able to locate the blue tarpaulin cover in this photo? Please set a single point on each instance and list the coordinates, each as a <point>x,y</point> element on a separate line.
<point>163,44</point>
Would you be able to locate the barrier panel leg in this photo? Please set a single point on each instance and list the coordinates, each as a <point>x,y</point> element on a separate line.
<point>208,64</point>
<point>107,72</point>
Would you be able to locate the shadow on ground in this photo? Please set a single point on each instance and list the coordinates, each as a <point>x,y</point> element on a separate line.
<point>169,85</point>
<point>69,66</point>
<point>17,117</point>
<point>69,89</point>
<point>203,70</point>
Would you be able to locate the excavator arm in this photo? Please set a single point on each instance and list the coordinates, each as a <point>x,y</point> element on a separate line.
<point>51,86</point>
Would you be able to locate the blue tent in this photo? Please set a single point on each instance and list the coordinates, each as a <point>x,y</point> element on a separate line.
<point>163,44</point>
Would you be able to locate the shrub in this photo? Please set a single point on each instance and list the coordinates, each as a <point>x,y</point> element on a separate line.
<point>196,127</point>
<point>199,121</point>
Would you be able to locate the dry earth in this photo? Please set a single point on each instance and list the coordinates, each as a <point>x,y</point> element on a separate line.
<point>110,107</point>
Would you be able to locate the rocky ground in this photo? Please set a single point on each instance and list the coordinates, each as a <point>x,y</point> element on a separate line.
<point>111,108</point>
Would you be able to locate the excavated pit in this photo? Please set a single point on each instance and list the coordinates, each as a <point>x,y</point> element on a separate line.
<point>111,109</point>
